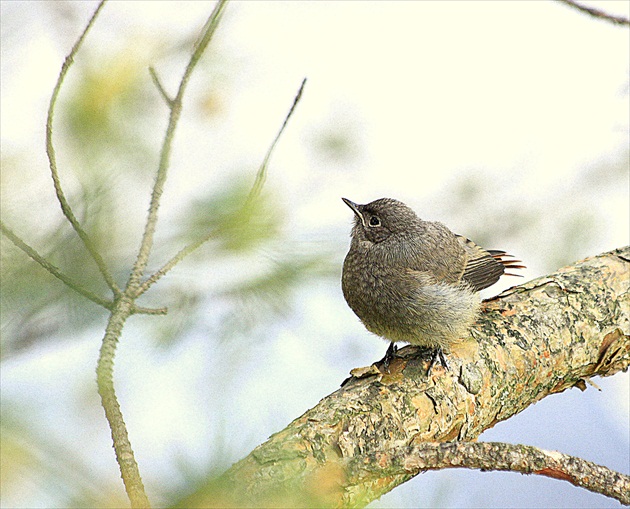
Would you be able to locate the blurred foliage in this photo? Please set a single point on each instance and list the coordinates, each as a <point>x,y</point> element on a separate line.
<point>476,198</point>
<point>34,305</point>
<point>257,271</point>
<point>32,463</point>
<point>107,111</point>
<point>97,132</point>
<point>337,138</point>
<point>268,296</point>
<point>235,224</point>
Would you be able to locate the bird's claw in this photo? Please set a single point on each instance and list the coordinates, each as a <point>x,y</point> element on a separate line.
<point>389,357</point>
<point>434,357</point>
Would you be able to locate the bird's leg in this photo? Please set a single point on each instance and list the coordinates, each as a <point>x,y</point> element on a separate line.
<point>389,356</point>
<point>434,357</point>
<point>443,359</point>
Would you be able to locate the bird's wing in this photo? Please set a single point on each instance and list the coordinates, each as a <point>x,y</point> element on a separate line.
<point>484,268</point>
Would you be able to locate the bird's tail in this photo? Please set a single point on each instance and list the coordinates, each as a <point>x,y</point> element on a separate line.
<point>507,260</point>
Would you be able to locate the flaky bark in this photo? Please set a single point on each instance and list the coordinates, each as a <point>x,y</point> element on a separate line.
<point>533,340</point>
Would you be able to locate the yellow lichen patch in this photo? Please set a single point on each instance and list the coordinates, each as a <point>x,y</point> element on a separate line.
<point>425,410</point>
<point>324,486</point>
<point>468,350</point>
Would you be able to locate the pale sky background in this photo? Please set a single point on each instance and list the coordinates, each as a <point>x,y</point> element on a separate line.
<point>529,98</point>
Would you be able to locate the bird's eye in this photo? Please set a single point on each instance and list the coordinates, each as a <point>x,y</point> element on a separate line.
<point>375,221</point>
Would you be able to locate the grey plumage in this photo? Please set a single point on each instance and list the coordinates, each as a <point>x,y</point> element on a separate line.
<point>412,280</point>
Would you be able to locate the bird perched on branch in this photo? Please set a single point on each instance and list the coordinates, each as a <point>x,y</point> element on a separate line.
<point>415,281</point>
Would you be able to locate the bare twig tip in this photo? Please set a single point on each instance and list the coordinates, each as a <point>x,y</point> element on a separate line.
<point>261,175</point>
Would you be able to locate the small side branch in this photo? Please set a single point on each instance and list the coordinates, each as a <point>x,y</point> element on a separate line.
<point>503,457</point>
<point>597,13</point>
<point>140,310</point>
<point>50,151</point>
<point>158,85</point>
<point>183,253</point>
<point>55,271</point>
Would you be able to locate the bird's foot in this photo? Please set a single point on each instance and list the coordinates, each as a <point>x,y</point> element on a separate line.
<point>434,357</point>
<point>389,357</point>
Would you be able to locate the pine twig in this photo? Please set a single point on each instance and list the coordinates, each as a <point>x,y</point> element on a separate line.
<point>158,85</point>
<point>262,171</point>
<point>124,303</point>
<point>55,271</point>
<point>52,159</point>
<point>254,192</point>
<point>129,470</point>
<point>176,108</point>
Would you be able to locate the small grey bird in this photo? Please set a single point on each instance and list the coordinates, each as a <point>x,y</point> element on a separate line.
<point>415,281</point>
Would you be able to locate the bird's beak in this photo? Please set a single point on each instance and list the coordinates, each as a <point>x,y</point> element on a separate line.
<point>354,207</point>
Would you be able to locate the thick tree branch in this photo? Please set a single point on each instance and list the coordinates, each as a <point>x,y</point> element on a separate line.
<point>533,340</point>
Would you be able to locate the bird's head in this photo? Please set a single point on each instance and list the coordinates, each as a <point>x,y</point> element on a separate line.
<point>380,219</point>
